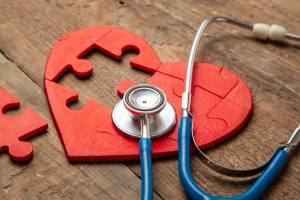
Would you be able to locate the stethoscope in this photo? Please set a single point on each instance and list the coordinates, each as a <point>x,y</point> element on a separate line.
<point>271,168</point>
<point>145,113</point>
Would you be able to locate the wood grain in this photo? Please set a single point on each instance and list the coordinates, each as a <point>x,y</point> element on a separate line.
<point>28,30</point>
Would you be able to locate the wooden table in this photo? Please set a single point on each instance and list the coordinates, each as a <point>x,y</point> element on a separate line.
<point>29,29</point>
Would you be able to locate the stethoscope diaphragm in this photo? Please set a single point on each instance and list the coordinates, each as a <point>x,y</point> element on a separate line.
<point>142,100</point>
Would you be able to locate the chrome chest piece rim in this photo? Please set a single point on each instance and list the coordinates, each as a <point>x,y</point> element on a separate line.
<point>144,100</point>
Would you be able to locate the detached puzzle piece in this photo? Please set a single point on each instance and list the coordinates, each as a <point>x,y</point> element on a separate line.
<point>14,130</point>
<point>221,101</point>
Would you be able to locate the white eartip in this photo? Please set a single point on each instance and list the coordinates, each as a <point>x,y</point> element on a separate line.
<point>277,33</point>
<point>261,31</point>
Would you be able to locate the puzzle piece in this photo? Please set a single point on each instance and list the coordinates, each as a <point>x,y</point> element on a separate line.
<point>89,134</point>
<point>119,41</point>
<point>15,129</point>
<point>70,49</point>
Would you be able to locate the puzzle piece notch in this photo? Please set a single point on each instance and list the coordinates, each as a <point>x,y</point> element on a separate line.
<point>15,129</point>
<point>118,41</point>
<point>241,96</point>
<point>234,122</point>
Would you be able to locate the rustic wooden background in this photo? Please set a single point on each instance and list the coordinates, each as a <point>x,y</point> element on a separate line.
<point>29,29</point>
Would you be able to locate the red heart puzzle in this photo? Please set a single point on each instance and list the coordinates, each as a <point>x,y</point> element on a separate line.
<point>221,105</point>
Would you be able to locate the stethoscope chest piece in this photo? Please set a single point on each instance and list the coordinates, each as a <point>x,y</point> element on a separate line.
<point>143,100</point>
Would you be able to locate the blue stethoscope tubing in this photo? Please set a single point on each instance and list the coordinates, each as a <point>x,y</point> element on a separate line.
<point>193,190</point>
<point>279,159</point>
<point>145,147</point>
<point>273,167</point>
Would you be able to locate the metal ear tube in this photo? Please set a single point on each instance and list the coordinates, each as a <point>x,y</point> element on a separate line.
<point>293,142</point>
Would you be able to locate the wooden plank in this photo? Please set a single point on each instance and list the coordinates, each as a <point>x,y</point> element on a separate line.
<point>273,76</point>
<point>50,175</point>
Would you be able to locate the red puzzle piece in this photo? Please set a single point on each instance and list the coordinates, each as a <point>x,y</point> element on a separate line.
<point>119,41</point>
<point>89,134</point>
<point>70,48</point>
<point>15,129</point>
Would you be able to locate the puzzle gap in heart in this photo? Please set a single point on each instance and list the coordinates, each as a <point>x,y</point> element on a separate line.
<point>101,84</point>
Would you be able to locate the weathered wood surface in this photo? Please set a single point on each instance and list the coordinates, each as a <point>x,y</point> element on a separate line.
<point>29,29</point>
